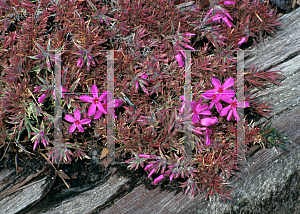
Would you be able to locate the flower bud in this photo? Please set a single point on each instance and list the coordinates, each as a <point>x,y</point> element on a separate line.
<point>153,170</point>
<point>158,179</point>
<point>148,166</point>
<point>144,156</point>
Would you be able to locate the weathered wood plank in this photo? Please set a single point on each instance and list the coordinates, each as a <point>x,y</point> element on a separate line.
<point>15,197</point>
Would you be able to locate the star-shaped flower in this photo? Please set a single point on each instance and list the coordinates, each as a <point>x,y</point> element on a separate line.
<point>95,100</point>
<point>76,122</point>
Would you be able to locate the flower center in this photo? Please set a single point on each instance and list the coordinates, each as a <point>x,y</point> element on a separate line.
<point>77,122</point>
<point>233,104</point>
<point>214,97</point>
<point>220,90</point>
<point>96,100</point>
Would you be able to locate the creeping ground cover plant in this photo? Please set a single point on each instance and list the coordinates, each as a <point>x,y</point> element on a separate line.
<point>152,42</point>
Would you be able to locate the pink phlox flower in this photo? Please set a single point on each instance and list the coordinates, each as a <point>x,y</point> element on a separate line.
<point>76,122</point>
<point>219,92</point>
<point>95,100</point>
<point>62,90</point>
<point>114,103</point>
<point>217,104</point>
<point>232,107</point>
<point>198,110</point>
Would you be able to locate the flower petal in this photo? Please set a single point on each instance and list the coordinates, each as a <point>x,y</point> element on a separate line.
<point>118,103</point>
<point>229,115</point>
<point>235,114</point>
<point>228,93</point>
<point>77,114</point>
<point>228,83</point>
<point>216,83</point>
<point>103,96</point>
<point>86,98</point>
<point>217,99</point>
<point>219,107</point>
<point>94,91</point>
<point>200,108</point>
<point>69,118</point>
<point>226,99</point>
<point>85,121</point>
<point>79,126</point>
<point>209,121</point>
<point>195,118</point>
<point>225,111</point>
<point>209,93</point>
<point>205,113</point>
<point>97,115</point>
<point>92,109</point>
<point>72,128</point>
<point>101,108</point>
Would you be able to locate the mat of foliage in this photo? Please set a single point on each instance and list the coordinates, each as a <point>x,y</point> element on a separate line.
<point>149,79</point>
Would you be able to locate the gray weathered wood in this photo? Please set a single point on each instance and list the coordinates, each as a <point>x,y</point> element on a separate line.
<point>16,199</point>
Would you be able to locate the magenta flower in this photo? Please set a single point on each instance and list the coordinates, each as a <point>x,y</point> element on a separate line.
<point>198,110</point>
<point>217,104</point>
<point>232,108</point>
<point>114,103</point>
<point>76,122</point>
<point>219,92</point>
<point>158,179</point>
<point>95,100</point>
